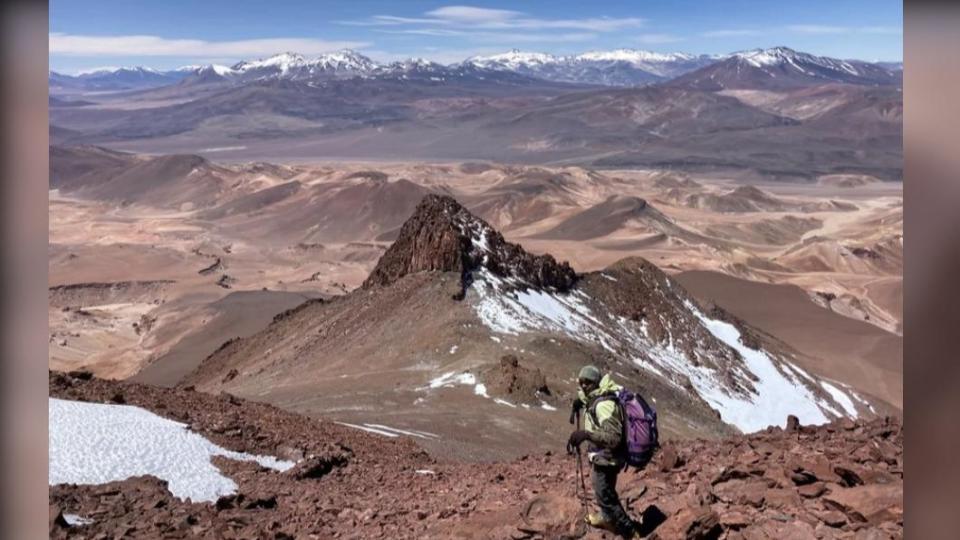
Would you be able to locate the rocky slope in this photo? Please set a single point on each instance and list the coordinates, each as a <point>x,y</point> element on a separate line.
<point>427,335</point>
<point>841,480</point>
<point>443,236</point>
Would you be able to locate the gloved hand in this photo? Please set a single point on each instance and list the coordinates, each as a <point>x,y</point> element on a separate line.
<point>576,439</point>
<point>575,409</point>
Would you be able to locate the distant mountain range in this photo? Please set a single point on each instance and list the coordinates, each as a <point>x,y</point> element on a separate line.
<point>620,67</point>
<point>784,68</point>
<point>504,108</point>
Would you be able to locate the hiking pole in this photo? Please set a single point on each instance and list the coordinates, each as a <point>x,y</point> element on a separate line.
<point>581,485</point>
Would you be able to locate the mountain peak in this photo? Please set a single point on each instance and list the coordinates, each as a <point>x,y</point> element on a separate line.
<point>344,59</point>
<point>772,56</point>
<point>444,236</point>
<point>633,56</point>
<point>513,59</point>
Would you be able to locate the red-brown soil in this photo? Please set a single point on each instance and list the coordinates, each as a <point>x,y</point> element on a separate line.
<point>841,480</point>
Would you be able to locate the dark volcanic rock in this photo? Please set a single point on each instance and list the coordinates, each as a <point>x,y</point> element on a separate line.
<point>443,236</point>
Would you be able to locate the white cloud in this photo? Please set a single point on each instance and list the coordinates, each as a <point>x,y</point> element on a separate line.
<point>654,39</point>
<point>142,45</point>
<point>496,37</point>
<point>469,17</point>
<point>469,14</point>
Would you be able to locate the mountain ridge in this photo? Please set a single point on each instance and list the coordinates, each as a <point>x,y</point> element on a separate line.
<point>615,67</point>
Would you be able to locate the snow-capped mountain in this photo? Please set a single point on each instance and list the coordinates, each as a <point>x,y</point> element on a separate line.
<point>620,67</point>
<point>116,78</point>
<point>515,60</point>
<point>662,64</point>
<point>294,66</point>
<point>219,69</point>
<point>778,67</point>
<point>782,67</point>
<point>412,67</point>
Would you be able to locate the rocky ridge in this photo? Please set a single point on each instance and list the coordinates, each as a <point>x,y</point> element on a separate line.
<point>443,236</point>
<point>451,297</point>
<point>840,480</point>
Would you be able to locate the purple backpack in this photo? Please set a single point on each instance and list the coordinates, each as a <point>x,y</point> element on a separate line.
<point>640,434</point>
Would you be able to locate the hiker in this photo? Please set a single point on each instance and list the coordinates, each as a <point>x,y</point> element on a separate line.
<point>603,427</point>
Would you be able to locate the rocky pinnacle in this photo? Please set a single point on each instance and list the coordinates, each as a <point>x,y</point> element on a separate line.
<point>444,236</point>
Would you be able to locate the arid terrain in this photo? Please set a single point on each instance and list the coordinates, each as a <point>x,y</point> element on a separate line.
<point>169,264</point>
<point>381,279</point>
<point>297,285</point>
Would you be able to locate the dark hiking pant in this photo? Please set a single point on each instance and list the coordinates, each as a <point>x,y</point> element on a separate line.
<point>605,489</point>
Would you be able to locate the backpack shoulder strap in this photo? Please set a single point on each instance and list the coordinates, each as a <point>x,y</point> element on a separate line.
<point>592,408</point>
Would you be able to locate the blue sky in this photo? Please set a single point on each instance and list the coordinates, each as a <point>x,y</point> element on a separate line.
<point>86,34</point>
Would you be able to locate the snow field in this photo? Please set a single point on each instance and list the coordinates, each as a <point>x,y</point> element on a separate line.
<point>96,443</point>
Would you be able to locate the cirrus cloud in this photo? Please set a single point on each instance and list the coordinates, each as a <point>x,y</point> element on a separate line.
<point>470,17</point>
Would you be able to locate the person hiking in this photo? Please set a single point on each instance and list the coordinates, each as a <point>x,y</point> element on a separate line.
<point>603,428</point>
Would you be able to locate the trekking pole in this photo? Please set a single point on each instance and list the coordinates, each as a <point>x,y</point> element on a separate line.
<point>581,485</point>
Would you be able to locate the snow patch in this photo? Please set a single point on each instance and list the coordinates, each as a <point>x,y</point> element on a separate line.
<point>774,397</point>
<point>840,397</point>
<point>370,429</point>
<point>502,402</point>
<point>74,520</point>
<point>97,443</point>
<point>409,433</point>
<point>453,378</point>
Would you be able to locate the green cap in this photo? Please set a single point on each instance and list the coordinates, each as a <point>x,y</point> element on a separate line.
<point>590,373</point>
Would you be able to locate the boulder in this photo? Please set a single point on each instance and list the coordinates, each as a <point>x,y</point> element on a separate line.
<point>700,523</point>
<point>871,504</point>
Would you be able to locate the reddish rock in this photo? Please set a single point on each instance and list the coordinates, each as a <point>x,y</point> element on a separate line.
<point>812,491</point>
<point>742,492</point>
<point>442,236</point>
<point>780,530</point>
<point>369,496</point>
<point>803,477</point>
<point>669,458</point>
<point>316,466</point>
<point>781,498</point>
<point>733,519</point>
<point>729,473</point>
<point>699,523</point>
<point>848,477</point>
<point>832,518</point>
<point>872,504</point>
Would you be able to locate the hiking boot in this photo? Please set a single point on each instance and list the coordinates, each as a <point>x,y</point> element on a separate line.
<point>600,522</point>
